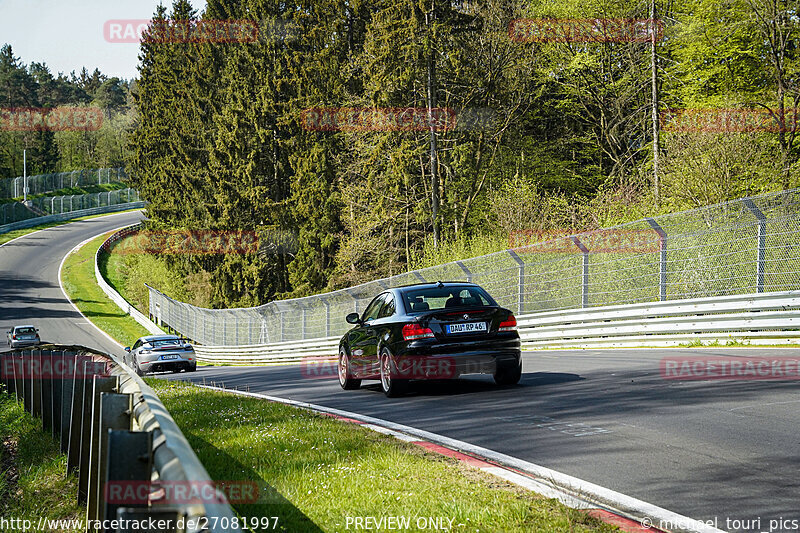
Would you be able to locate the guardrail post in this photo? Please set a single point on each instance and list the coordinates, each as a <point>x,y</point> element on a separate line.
<point>46,377</point>
<point>662,269</point>
<point>7,372</point>
<point>521,282</point>
<point>67,393</point>
<point>761,245</point>
<point>56,385</point>
<point>90,430</point>
<point>130,458</point>
<point>76,412</point>
<point>115,414</point>
<point>585,284</point>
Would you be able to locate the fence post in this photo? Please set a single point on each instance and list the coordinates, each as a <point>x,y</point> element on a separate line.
<point>521,288</point>
<point>761,243</point>
<point>585,284</point>
<point>466,271</point>
<point>327,305</point>
<point>662,269</point>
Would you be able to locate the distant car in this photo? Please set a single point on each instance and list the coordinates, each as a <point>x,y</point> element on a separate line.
<point>158,353</point>
<point>19,336</point>
<point>430,331</point>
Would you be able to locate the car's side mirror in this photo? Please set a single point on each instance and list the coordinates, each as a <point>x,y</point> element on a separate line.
<point>127,348</point>
<point>353,318</point>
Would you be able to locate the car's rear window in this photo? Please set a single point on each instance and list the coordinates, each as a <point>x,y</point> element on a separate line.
<point>26,331</point>
<point>435,298</point>
<point>164,342</point>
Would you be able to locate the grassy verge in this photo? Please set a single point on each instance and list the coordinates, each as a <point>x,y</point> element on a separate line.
<point>322,471</point>
<point>11,235</point>
<point>79,282</point>
<point>91,189</point>
<point>33,480</point>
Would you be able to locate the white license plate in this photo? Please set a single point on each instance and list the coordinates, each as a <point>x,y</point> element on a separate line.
<point>466,327</point>
<point>168,357</point>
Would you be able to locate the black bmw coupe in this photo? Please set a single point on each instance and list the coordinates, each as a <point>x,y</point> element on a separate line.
<point>430,331</point>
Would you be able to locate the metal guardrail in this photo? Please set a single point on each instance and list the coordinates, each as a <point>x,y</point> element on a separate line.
<point>113,429</point>
<point>31,222</point>
<point>760,318</point>
<point>115,296</point>
<point>746,246</point>
<point>751,319</point>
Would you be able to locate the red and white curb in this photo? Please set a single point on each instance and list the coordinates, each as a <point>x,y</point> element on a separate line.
<point>627,513</point>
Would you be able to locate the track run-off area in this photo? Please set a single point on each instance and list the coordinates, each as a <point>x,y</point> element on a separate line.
<point>724,450</point>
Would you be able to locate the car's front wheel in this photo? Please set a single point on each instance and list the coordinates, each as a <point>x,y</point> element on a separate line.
<point>508,376</point>
<point>345,380</point>
<point>391,386</point>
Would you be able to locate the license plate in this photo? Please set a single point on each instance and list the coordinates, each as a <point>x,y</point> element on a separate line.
<point>466,327</point>
<point>168,357</point>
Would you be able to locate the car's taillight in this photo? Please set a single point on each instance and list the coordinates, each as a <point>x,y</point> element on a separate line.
<point>509,324</point>
<point>413,332</point>
<point>14,336</point>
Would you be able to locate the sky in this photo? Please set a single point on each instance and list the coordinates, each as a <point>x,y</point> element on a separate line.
<point>69,34</point>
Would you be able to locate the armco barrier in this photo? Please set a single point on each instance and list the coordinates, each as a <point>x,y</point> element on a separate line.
<point>31,222</point>
<point>116,297</point>
<point>771,318</point>
<point>113,428</point>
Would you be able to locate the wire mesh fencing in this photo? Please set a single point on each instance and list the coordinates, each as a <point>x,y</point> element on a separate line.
<point>52,205</point>
<point>751,245</point>
<point>44,183</point>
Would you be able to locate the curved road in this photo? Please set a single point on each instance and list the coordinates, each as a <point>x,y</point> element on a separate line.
<point>711,450</point>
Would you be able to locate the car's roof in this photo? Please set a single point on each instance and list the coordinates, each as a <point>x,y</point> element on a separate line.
<point>159,338</point>
<point>26,326</point>
<point>436,284</point>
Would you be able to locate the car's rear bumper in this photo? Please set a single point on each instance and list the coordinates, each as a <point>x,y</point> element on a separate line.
<point>23,343</point>
<point>156,364</point>
<point>431,360</point>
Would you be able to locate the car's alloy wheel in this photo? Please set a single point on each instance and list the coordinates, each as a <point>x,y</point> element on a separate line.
<point>392,387</point>
<point>347,382</point>
<point>508,376</point>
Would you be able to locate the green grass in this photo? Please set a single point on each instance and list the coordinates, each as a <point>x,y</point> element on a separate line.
<point>79,282</point>
<point>91,189</point>
<point>42,489</point>
<point>321,470</point>
<point>5,237</point>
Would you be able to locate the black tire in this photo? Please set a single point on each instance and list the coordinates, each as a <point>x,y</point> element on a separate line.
<point>139,371</point>
<point>192,368</point>
<point>345,380</point>
<point>391,386</point>
<point>508,376</point>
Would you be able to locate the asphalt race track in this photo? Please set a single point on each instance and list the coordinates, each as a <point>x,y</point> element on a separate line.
<point>706,449</point>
